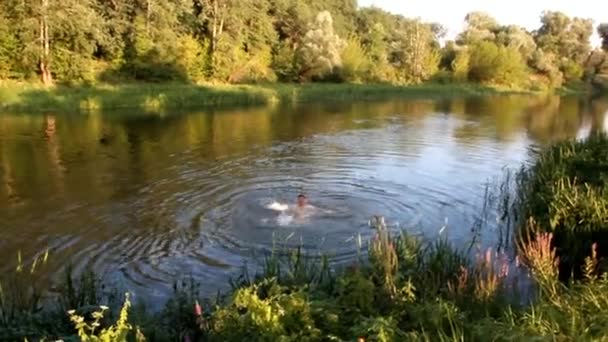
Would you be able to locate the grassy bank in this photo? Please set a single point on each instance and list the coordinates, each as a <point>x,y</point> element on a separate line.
<point>161,97</point>
<point>566,193</point>
<point>403,289</point>
<point>407,290</point>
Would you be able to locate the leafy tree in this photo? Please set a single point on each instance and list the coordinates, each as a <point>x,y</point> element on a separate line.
<point>265,40</point>
<point>8,48</point>
<point>461,64</point>
<point>320,53</point>
<point>545,63</point>
<point>566,38</point>
<point>355,61</point>
<point>413,51</point>
<point>517,38</point>
<point>602,30</point>
<point>491,63</point>
<point>479,26</point>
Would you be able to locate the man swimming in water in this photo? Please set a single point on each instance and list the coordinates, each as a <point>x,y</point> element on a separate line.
<point>302,208</point>
<point>302,201</point>
<point>298,213</point>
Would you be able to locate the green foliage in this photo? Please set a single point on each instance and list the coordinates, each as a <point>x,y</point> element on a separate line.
<point>564,192</point>
<point>191,58</point>
<point>264,41</point>
<point>413,53</point>
<point>355,61</point>
<point>461,65</point>
<point>284,62</point>
<point>572,71</point>
<point>276,316</point>
<point>321,49</point>
<point>480,26</point>
<point>118,332</point>
<point>8,49</point>
<point>490,63</point>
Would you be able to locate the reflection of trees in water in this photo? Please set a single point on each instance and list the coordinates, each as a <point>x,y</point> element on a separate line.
<point>111,153</point>
<point>56,168</point>
<point>496,115</point>
<point>599,109</point>
<point>563,117</point>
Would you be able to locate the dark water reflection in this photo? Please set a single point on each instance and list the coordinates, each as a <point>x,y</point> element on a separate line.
<point>147,199</point>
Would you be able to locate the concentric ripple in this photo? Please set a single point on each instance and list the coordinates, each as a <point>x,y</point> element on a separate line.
<point>199,209</point>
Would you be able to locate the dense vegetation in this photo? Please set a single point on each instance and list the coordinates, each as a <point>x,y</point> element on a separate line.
<point>402,289</point>
<point>565,193</point>
<point>245,41</point>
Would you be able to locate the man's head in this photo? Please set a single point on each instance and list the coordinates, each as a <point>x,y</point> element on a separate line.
<point>302,200</point>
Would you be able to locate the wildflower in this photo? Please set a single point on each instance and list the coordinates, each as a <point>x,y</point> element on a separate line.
<point>197,309</point>
<point>103,307</point>
<point>71,312</point>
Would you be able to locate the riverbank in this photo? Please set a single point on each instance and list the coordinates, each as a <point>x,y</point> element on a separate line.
<point>400,288</point>
<point>157,98</point>
<point>406,290</point>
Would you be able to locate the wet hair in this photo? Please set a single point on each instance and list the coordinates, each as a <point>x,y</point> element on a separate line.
<point>302,196</point>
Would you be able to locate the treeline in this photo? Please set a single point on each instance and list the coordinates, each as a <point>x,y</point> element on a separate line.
<point>244,41</point>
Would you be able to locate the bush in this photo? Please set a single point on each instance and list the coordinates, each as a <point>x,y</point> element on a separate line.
<point>355,61</point>
<point>572,71</point>
<point>191,58</point>
<point>461,65</point>
<point>566,193</point>
<point>490,63</point>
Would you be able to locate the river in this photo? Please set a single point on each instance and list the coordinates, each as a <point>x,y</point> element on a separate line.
<point>146,199</point>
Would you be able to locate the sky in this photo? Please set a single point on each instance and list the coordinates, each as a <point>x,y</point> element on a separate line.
<point>526,13</point>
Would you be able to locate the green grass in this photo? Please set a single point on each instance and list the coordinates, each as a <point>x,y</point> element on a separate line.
<point>406,290</point>
<point>566,193</point>
<point>156,98</point>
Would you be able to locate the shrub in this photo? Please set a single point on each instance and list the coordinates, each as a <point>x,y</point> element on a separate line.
<point>490,63</point>
<point>355,61</point>
<point>572,71</point>
<point>565,192</point>
<point>461,65</point>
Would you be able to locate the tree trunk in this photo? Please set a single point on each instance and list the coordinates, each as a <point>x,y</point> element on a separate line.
<point>45,45</point>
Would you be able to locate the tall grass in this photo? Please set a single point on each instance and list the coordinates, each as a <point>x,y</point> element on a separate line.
<point>408,289</point>
<point>565,193</point>
<point>157,98</point>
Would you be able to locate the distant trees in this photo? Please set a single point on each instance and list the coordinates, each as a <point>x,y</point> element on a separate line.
<point>320,53</point>
<point>286,40</point>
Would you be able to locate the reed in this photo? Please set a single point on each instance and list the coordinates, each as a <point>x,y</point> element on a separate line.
<point>160,98</point>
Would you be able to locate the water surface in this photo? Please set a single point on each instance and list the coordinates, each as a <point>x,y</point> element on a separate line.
<point>147,199</point>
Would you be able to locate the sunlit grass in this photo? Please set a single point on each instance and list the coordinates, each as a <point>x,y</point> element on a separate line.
<point>162,97</point>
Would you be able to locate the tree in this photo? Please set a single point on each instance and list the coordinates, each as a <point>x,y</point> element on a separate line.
<point>355,61</point>
<point>320,53</point>
<point>479,26</point>
<point>491,63</point>
<point>565,37</point>
<point>517,38</point>
<point>545,63</point>
<point>602,30</point>
<point>461,64</point>
<point>413,51</point>
<point>59,36</point>
<point>8,48</point>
